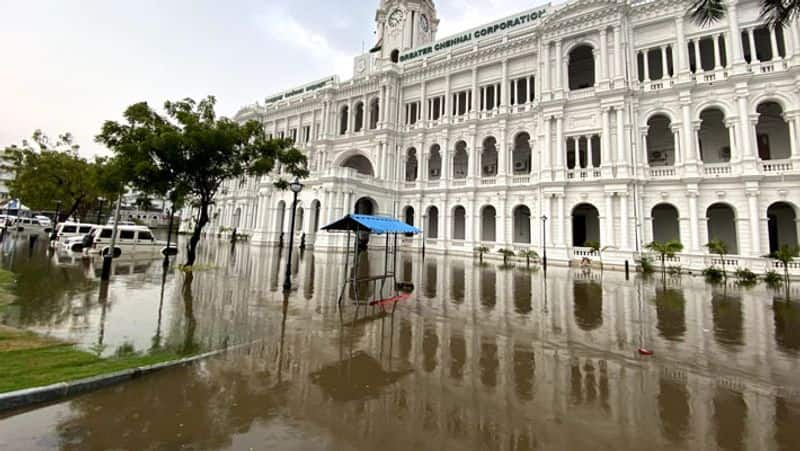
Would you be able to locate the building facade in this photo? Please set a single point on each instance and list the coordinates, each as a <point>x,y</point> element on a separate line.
<point>610,121</point>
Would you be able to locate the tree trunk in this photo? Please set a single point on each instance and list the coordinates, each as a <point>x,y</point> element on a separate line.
<point>191,251</point>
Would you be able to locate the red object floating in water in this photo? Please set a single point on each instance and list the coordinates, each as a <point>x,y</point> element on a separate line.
<point>400,297</point>
<point>645,351</point>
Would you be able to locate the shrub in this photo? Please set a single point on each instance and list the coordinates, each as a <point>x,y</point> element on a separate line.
<point>746,277</point>
<point>675,270</point>
<point>773,279</point>
<point>713,274</point>
<point>646,263</point>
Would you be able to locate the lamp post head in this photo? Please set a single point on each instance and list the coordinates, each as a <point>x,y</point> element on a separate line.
<point>296,186</point>
<point>544,218</point>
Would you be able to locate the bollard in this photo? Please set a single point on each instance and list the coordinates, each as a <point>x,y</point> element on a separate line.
<point>627,270</point>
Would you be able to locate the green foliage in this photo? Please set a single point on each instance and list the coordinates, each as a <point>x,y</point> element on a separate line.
<point>773,279</point>
<point>786,255</point>
<point>713,274</point>
<point>720,248</point>
<point>745,277</point>
<point>646,263</point>
<point>506,253</point>
<point>665,250</point>
<point>46,172</point>
<point>528,255</point>
<point>481,250</point>
<point>675,270</point>
<point>190,152</point>
<point>778,13</point>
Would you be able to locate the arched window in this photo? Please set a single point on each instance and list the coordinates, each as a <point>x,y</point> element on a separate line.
<point>666,223</point>
<point>772,133</point>
<point>432,227</point>
<point>365,206</point>
<point>316,207</point>
<point>395,56</point>
<point>344,114</point>
<point>460,161</point>
<point>660,142</point>
<point>715,143</point>
<point>358,120</point>
<point>722,226</point>
<point>411,165</point>
<point>488,223</point>
<point>459,223</point>
<point>435,163</point>
<point>585,225</point>
<point>581,67</point>
<point>782,225</point>
<point>408,215</point>
<point>521,155</point>
<point>489,157</point>
<point>361,164</point>
<point>374,113</point>
<point>522,225</point>
<point>280,212</point>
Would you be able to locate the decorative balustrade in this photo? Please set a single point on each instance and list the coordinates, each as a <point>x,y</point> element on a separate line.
<point>434,183</point>
<point>521,180</point>
<point>583,252</point>
<point>718,169</point>
<point>663,172</point>
<point>728,262</point>
<point>581,93</point>
<point>410,185</point>
<point>488,181</point>
<point>459,182</point>
<point>778,166</point>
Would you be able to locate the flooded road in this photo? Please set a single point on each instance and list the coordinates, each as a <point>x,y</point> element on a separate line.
<point>479,358</point>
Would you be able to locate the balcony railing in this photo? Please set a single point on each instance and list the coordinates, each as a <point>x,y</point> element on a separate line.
<point>717,169</point>
<point>776,166</point>
<point>521,180</point>
<point>488,181</point>
<point>459,182</point>
<point>584,173</point>
<point>663,172</point>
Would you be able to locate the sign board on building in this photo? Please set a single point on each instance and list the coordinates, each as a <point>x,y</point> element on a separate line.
<point>516,21</point>
<point>313,86</point>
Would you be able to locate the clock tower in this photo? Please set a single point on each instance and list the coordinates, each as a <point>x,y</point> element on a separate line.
<point>404,25</point>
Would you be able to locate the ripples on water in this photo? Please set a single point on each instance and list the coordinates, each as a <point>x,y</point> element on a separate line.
<point>480,358</point>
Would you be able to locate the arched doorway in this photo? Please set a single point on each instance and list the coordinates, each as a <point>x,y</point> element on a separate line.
<point>489,157</point>
<point>581,67</point>
<point>374,113</point>
<point>715,143</point>
<point>521,154</point>
<point>365,206</point>
<point>408,215</point>
<point>722,226</point>
<point>344,115</point>
<point>316,206</point>
<point>435,163</point>
<point>411,165</point>
<point>358,119</point>
<point>585,225</point>
<point>488,224</point>
<point>361,164</point>
<point>666,223</point>
<point>522,225</point>
<point>459,223</point>
<point>782,225</point>
<point>432,227</point>
<point>772,132</point>
<point>460,161</point>
<point>660,141</point>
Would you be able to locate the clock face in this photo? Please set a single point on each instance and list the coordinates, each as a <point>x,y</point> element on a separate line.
<point>395,18</point>
<point>424,24</point>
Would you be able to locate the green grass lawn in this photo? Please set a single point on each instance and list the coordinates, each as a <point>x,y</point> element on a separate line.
<point>28,360</point>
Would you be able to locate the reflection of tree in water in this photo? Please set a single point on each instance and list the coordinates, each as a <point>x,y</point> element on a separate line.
<point>588,300</point>
<point>430,344</point>
<point>787,418</point>
<point>355,378</point>
<point>524,367</point>
<point>728,319</point>
<point>674,410</point>
<point>458,356</point>
<point>670,304</point>
<point>190,322</point>
<point>457,283</point>
<point>522,292</point>
<point>182,407</point>
<point>787,325</point>
<point>489,362</point>
<point>431,280</point>
<point>730,419</point>
<point>488,287</point>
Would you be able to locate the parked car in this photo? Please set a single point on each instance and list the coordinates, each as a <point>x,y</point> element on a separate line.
<point>134,239</point>
<point>68,234</point>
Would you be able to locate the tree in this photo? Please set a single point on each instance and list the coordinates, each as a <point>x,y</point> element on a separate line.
<point>777,13</point>
<point>481,250</point>
<point>785,255</point>
<point>665,250</point>
<point>506,253</point>
<point>529,254</point>
<point>191,151</point>
<point>47,171</point>
<point>720,248</point>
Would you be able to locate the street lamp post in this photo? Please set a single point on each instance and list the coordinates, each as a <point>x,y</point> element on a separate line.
<point>55,220</point>
<point>544,242</point>
<point>101,200</point>
<point>109,256</point>
<point>295,187</point>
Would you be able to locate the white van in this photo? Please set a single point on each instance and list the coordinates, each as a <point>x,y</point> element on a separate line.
<point>130,240</point>
<point>66,230</point>
<point>32,225</point>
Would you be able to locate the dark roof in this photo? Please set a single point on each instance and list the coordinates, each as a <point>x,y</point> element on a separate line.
<point>377,225</point>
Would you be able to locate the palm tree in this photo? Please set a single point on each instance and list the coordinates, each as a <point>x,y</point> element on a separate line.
<point>481,250</point>
<point>529,254</point>
<point>785,255</point>
<point>777,13</point>
<point>665,250</point>
<point>720,248</point>
<point>506,254</point>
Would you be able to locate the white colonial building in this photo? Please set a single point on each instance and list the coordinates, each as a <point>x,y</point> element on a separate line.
<point>619,121</point>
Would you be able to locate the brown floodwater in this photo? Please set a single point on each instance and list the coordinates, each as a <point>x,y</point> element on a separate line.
<point>480,357</point>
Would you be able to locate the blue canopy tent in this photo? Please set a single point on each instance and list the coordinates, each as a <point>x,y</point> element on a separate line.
<point>372,225</point>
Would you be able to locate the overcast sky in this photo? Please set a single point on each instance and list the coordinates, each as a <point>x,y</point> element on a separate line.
<point>68,65</point>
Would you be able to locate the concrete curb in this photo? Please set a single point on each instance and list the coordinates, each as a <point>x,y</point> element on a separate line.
<point>49,393</point>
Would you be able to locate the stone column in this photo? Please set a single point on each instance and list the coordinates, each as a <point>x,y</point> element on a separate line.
<point>751,38</point>
<point>747,147</point>
<point>755,223</point>
<point>622,159</point>
<point>734,45</point>
<point>618,74</point>
<point>448,99</point>
<point>589,152</point>
<point>698,61</point>
<point>562,216</point>
<point>423,104</point>
<point>694,226</point>
<point>644,152</point>
<point>646,61</point>
<point>546,169</point>
<point>546,72</point>
<point>676,137</point>
<point>547,210</point>
<point>475,96</point>
<point>559,67</point>
<point>624,237</point>
<point>686,123</point>
<point>717,53</point>
<point>608,239</point>
<point>603,56</point>
<point>559,148</point>
<point>794,144</point>
<point>605,142</point>
<point>503,94</point>
<point>664,63</point>
<point>773,41</point>
<point>735,153</point>
<point>682,59</point>
<point>502,214</point>
<point>350,115</point>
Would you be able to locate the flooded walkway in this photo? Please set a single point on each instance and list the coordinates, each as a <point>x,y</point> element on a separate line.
<point>480,358</point>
